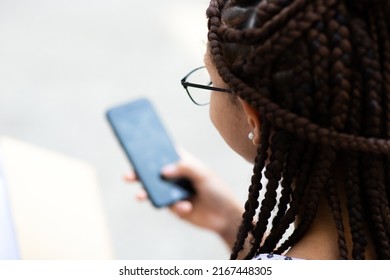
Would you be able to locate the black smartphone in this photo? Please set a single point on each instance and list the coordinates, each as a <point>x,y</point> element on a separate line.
<point>148,146</point>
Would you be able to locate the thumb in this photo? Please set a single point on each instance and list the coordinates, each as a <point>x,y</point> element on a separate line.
<point>183,169</point>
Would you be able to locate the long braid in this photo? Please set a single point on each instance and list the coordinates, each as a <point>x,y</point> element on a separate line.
<point>355,207</point>
<point>279,224</point>
<point>273,173</point>
<point>352,180</point>
<point>340,69</point>
<point>384,53</point>
<point>334,203</point>
<point>300,101</point>
<point>319,63</point>
<point>374,127</point>
<point>319,52</point>
<point>252,203</point>
<point>373,175</point>
<point>313,193</point>
<point>340,81</point>
<point>296,198</point>
<point>358,233</point>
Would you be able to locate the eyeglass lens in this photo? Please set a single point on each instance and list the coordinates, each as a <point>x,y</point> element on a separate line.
<point>200,77</point>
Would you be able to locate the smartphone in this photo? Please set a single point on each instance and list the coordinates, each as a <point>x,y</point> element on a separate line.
<point>148,147</point>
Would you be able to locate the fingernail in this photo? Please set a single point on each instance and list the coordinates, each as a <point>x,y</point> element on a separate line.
<point>169,169</point>
<point>185,207</point>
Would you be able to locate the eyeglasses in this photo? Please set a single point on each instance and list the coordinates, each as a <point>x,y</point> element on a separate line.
<point>196,82</point>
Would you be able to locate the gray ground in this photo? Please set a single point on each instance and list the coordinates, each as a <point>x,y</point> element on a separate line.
<point>63,63</point>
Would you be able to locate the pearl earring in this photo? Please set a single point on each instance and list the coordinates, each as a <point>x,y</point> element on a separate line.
<point>251,135</point>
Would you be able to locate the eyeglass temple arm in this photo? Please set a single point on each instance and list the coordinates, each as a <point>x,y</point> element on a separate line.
<point>187,84</point>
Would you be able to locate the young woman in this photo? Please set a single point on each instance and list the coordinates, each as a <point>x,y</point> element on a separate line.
<point>302,90</point>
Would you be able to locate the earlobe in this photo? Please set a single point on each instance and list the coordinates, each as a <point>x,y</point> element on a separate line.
<point>253,119</point>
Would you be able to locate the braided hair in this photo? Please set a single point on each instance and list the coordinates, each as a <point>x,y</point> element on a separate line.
<point>318,73</point>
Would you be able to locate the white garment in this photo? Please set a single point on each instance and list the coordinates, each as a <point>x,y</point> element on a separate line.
<point>273,257</point>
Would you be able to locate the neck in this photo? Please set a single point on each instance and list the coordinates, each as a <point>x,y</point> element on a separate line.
<point>321,240</point>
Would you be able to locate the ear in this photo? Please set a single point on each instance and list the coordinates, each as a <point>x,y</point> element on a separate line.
<point>253,119</point>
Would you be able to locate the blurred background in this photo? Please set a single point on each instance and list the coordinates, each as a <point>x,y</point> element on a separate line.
<point>64,63</point>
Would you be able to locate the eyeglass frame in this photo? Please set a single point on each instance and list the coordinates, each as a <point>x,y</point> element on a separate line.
<point>186,84</point>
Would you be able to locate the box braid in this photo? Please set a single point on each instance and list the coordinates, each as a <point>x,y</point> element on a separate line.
<point>318,73</point>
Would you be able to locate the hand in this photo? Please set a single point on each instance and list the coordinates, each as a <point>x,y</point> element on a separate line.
<point>213,207</point>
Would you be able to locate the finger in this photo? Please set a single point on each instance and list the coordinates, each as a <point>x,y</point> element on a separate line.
<point>187,169</point>
<point>141,195</point>
<point>182,208</point>
<point>130,177</point>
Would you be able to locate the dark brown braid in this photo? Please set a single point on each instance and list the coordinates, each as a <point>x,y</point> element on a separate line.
<point>296,199</point>
<point>254,190</point>
<point>374,126</point>
<point>340,50</point>
<point>273,174</point>
<point>300,101</point>
<point>318,73</point>
<point>383,40</point>
<point>335,205</point>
